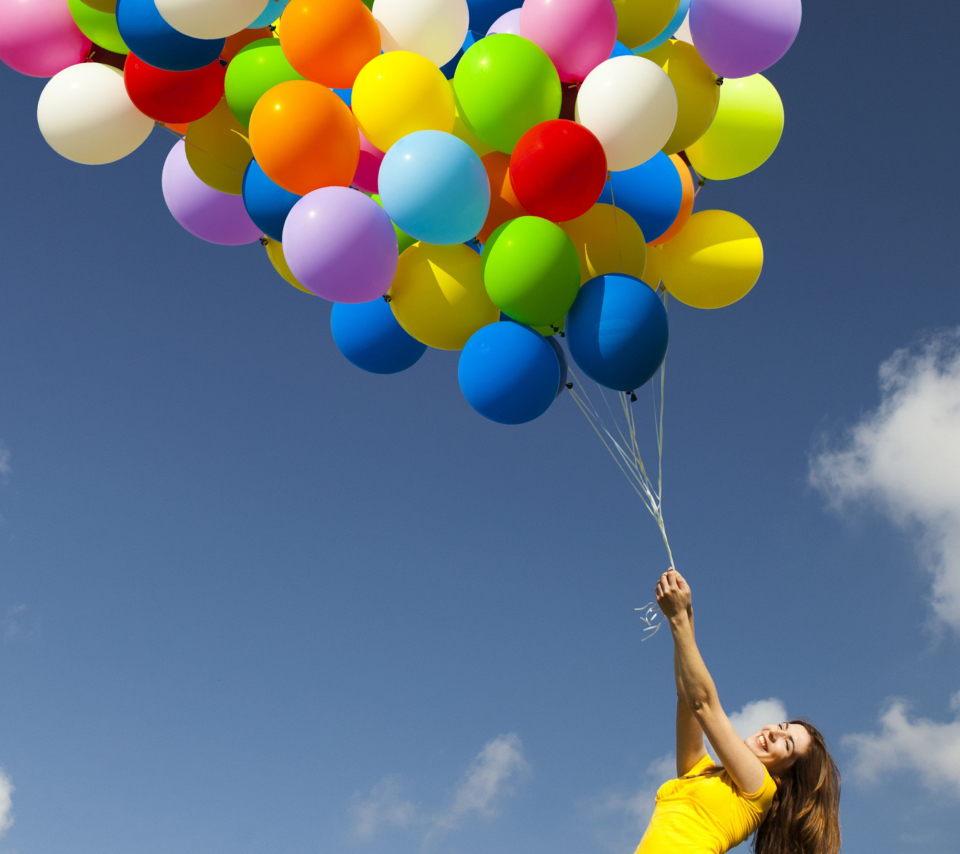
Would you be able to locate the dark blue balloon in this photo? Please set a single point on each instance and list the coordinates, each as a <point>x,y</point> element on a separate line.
<point>154,41</point>
<point>620,49</point>
<point>562,359</point>
<point>617,332</point>
<point>369,336</point>
<point>651,193</point>
<point>451,67</point>
<point>484,12</point>
<point>509,373</point>
<point>267,203</point>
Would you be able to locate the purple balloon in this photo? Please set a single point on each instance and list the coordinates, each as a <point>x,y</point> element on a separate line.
<point>206,213</point>
<point>341,245</point>
<point>737,38</point>
<point>508,22</point>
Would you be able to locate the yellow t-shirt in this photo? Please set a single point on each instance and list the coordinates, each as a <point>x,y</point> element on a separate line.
<point>704,813</point>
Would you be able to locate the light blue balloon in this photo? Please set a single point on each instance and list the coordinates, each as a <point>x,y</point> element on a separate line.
<point>669,32</point>
<point>434,187</point>
<point>272,11</point>
<point>651,193</point>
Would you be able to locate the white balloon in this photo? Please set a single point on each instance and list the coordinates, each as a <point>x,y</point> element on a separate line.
<point>433,28</point>
<point>85,115</point>
<point>630,105</point>
<point>210,19</point>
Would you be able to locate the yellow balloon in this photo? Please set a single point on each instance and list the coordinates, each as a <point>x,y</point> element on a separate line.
<point>109,6</point>
<point>279,261</point>
<point>461,130</point>
<point>697,92</point>
<point>438,295</point>
<point>608,240</point>
<point>398,93</point>
<point>653,274</point>
<point>714,261</point>
<point>218,150</point>
<point>640,21</point>
<point>745,131</point>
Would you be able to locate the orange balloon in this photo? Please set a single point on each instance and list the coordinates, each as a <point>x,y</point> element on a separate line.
<point>181,129</point>
<point>686,205</point>
<point>304,137</point>
<point>503,201</point>
<point>238,41</point>
<point>329,41</point>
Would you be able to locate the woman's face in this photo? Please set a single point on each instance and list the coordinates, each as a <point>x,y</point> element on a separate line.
<point>778,746</point>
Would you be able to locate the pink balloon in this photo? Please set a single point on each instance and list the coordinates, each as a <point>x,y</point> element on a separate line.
<point>206,213</point>
<point>368,169</point>
<point>341,245</point>
<point>40,37</point>
<point>508,22</point>
<point>576,34</point>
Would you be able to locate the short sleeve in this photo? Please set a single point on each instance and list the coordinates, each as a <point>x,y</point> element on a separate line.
<point>763,797</point>
<point>700,767</point>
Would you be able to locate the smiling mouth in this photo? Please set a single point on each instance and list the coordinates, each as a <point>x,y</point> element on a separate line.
<point>762,741</point>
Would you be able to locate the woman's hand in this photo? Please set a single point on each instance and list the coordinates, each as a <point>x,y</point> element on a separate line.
<point>673,595</point>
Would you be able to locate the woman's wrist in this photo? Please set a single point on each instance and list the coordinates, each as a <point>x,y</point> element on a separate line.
<point>680,620</point>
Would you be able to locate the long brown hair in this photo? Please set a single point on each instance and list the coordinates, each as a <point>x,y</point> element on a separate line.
<point>805,816</point>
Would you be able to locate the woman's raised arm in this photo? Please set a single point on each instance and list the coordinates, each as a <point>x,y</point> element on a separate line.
<point>698,689</point>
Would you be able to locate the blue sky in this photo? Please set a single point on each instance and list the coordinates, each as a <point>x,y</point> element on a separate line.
<point>255,600</point>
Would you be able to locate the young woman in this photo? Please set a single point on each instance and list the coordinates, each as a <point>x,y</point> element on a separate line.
<point>781,783</point>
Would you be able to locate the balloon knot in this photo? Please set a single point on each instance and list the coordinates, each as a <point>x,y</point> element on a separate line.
<point>223,63</point>
<point>569,385</point>
<point>264,240</point>
<point>633,396</point>
<point>702,182</point>
<point>563,334</point>
<point>387,298</point>
<point>719,81</point>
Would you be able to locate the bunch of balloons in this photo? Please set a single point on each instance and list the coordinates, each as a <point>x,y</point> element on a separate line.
<point>456,174</point>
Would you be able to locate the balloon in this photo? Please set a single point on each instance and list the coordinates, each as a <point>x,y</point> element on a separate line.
<point>653,274</point>
<point>504,86</point>
<point>617,332</point>
<point>151,38</point>
<point>558,170</point>
<point>561,360</point>
<point>404,240</point>
<point>400,93</point>
<point>366,179</point>
<point>745,132</point>
<point>607,240</point>
<point>255,70</point>
<point>435,188</point>
<point>697,92</point>
<point>99,27</point>
<point>433,28</point>
<point>217,150</point>
<point>329,41</point>
<point>652,193</point>
<point>620,49</point>
<point>639,21</point>
<point>304,137</point>
<point>206,213</point>
<point>676,22</point>
<point>268,204</point>
<point>483,13</point>
<point>714,261</point>
<point>577,35</point>
<point>340,245</point>
<point>686,204</point>
<point>275,254</point>
<point>109,6</point>
<point>450,68</point>
<point>85,115</point>
<point>737,38</point>
<point>509,373</point>
<point>209,19</point>
<point>438,295</point>
<point>40,37</point>
<point>173,97</point>
<point>504,204</point>
<point>238,41</point>
<point>272,12</point>
<point>531,270</point>
<point>508,22</point>
<point>369,337</point>
<point>631,106</point>
<point>461,131</point>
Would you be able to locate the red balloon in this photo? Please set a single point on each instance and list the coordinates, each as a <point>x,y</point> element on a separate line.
<point>173,97</point>
<point>558,170</point>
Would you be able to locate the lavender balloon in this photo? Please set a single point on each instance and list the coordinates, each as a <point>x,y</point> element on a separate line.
<point>737,38</point>
<point>341,245</point>
<point>508,22</point>
<point>206,213</point>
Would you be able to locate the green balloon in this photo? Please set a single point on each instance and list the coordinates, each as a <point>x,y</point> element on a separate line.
<point>504,85</point>
<point>99,27</point>
<point>260,66</point>
<point>404,240</point>
<point>531,271</point>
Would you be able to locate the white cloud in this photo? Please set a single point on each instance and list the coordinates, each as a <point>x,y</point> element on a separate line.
<point>489,777</point>
<point>929,748</point>
<point>6,803</point>
<point>905,457</point>
<point>753,717</point>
